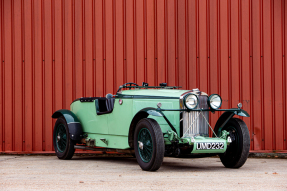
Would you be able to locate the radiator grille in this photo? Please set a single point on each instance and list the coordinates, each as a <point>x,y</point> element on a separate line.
<point>196,122</point>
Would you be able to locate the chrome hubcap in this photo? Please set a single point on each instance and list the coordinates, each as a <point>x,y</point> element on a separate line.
<point>140,145</point>
<point>58,138</point>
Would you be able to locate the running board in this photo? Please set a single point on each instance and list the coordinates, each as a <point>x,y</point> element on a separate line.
<point>129,151</point>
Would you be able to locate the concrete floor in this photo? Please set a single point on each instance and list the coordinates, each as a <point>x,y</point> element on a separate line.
<point>122,173</point>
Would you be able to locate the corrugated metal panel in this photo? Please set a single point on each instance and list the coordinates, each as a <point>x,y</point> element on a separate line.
<point>53,51</point>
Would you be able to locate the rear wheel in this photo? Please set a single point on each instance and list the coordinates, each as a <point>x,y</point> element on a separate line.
<point>149,144</point>
<point>63,145</point>
<point>237,152</point>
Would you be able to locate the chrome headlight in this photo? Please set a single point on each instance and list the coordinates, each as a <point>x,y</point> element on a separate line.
<point>214,101</point>
<point>191,101</point>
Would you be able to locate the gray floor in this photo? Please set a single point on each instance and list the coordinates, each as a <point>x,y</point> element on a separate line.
<point>121,173</point>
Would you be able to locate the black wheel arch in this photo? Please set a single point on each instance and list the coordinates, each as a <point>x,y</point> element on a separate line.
<point>140,115</point>
<point>74,125</point>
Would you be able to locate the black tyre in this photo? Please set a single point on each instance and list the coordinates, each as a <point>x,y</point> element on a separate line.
<point>63,145</point>
<point>149,144</point>
<point>237,152</point>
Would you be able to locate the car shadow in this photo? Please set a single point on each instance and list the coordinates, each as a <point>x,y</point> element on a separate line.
<point>177,165</point>
<point>112,159</point>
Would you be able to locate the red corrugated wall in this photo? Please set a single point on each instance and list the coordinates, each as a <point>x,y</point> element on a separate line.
<point>53,51</point>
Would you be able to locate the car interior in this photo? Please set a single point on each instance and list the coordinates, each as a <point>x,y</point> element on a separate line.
<point>105,105</point>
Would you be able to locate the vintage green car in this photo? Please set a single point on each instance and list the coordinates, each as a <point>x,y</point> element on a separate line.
<point>151,122</point>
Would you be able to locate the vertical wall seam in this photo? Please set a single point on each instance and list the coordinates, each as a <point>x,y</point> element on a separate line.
<point>3,76</point>
<point>176,42</point>
<point>63,54</point>
<point>104,44</point>
<point>186,43</point>
<point>208,45</point>
<point>262,144</point>
<point>23,72</point>
<point>283,71</point>
<point>135,40</point>
<point>218,48</point>
<point>273,76</point>
<point>43,72</point>
<point>33,73</point>
<point>94,47</point>
<point>284,76</point>
<point>13,72</point>
<point>145,38</point>
<point>53,64</point>
<point>240,50</point>
<point>251,77</point>
<point>124,42</point>
<point>74,89</point>
<point>155,45</point>
<point>114,45</point>
<point>84,89</point>
<point>229,54</point>
<point>165,42</point>
<point>197,42</point>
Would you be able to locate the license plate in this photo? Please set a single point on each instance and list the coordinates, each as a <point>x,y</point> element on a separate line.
<point>210,146</point>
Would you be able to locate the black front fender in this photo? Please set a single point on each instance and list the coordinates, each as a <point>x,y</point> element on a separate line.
<point>226,116</point>
<point>74,125</point>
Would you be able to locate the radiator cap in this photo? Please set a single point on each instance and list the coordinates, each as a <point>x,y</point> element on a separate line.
<point>196,90</point>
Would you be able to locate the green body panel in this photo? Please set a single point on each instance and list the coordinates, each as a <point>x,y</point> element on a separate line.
<point>114,141</point>
<point>91,122</point>
<point>173,117</point>
<point>117,123</point>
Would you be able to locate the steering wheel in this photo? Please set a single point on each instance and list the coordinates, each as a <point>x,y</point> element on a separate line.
<point>129,83</point>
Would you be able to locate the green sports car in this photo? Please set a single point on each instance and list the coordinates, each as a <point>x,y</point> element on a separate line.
<point>151,122</point>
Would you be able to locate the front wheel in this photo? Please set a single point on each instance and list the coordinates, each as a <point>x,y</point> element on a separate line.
<point>237,152</point>
<point>149,144</point>
<point>63,145</point>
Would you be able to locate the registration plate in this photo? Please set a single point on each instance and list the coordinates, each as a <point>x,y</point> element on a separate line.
<point>210,146</point>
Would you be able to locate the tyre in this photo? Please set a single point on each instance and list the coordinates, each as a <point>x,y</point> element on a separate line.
<point>237,152</point>
<point>63,145</point>
<point>149,144</point>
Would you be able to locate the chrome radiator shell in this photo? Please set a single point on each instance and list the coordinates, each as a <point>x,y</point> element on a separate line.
<point>194,123</point>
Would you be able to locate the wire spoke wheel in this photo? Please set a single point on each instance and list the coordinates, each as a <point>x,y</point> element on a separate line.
<point>63,145</point>
<point>61,138</point>
<point>145,138</point>
<point>149,144</point>
<point>237,152</point>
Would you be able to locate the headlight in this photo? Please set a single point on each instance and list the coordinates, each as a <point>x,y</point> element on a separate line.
<point>214,101</point>
<point>191,101</point>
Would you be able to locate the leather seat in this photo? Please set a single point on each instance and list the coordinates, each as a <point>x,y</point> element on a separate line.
<point>110,104</point>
